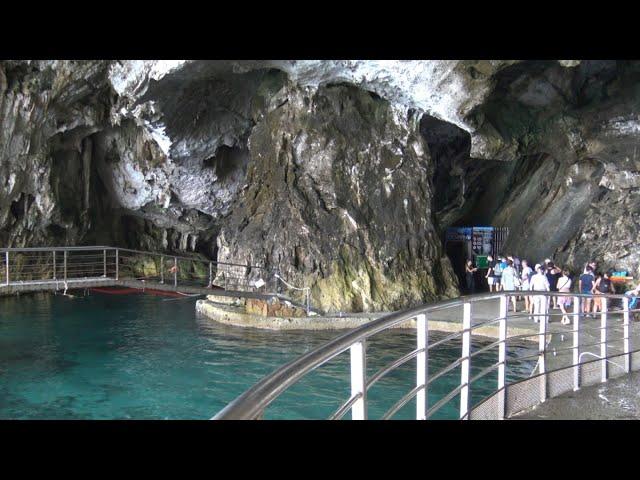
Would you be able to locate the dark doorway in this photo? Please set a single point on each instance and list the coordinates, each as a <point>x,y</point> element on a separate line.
<point>456,251</point>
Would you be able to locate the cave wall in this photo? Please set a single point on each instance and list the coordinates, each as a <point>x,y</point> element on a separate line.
<point>581,199</point>
<point>564,174</point>
<point>342,174</point>
<point>46,109</point>
<point>339,197</point>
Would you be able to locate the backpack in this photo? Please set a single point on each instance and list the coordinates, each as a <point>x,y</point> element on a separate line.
<point>497,270</point>
<point>605,285</point>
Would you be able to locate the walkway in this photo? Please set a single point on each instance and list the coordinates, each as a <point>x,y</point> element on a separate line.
<point>617,399</point>
<point>60,268</point>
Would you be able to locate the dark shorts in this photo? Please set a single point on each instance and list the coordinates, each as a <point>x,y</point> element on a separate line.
<point>586,292</point>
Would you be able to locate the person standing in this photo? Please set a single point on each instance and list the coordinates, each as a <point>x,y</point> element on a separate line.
<point>470,271</point>
<point>517,264</point>
<point>553,274</point>
<point>497,273</point>
<point>539,283</point>
<point>585,285</point>
<point>489,276</point>
<point>525,276</point>
<point>508,281</point>
<point>633,297</point>
<point>602,286</point>
<point>564,286</point>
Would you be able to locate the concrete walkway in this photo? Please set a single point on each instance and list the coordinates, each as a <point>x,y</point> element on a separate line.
<point>617,399</point>
<point>448,320</point>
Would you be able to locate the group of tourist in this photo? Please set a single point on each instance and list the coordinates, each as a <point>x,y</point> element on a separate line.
<point>509,273</point>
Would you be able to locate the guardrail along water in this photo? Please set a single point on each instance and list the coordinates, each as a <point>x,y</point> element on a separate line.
<point>56,268</point>
<point>591,349</point>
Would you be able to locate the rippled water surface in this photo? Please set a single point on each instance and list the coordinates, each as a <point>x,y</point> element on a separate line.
<point>147,357</point>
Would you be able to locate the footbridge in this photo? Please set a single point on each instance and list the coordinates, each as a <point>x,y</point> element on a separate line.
<point>560,359</point>
<point>65,268</point>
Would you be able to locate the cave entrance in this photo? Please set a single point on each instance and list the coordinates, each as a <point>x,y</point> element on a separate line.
<point>475,244</point>
<point>458,255</point>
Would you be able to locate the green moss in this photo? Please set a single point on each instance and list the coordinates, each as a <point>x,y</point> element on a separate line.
<point>356,285</point>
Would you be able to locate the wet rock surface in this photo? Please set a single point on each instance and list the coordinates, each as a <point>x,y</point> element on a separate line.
<point>340,199</point>
<point>341,174</point>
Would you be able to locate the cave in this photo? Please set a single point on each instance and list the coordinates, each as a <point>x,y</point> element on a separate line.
<point>227,160</point>
<point>468,192</point>
<point>358,186</point>
<point>344,175</point>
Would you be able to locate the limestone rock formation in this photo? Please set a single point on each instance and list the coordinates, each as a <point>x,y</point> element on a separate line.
<point>342,174</point>
<point>567,183</point>
<point>338,197</point>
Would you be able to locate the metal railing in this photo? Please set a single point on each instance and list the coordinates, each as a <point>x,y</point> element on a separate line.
<point>42,265</point>
<point>558,369</point>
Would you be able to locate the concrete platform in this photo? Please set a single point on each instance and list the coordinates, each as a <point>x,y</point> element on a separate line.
<point>449,320</point>
<point>617,399</point>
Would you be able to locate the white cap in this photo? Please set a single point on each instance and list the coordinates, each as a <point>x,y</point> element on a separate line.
<point>538,266</point>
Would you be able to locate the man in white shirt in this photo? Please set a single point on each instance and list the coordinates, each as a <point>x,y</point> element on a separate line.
<point>539,283</point>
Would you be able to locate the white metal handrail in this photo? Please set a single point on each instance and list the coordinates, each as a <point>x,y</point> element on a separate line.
<point>20,267</point>
<point>253,402</point>
<point>306,290</point>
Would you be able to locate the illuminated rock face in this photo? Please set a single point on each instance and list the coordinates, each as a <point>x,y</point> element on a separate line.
<point>338,197</point>
<point>342,174</point>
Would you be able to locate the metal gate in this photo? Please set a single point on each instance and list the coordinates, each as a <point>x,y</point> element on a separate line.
<point>500,235</point>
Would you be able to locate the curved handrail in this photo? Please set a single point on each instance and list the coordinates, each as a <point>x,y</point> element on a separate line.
<point>253,402</point>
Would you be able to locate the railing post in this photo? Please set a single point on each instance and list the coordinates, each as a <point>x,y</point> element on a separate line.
<point>603,339</point>
<point>54,265</point>
<point>175,271</point>
<point>358,380</point>
<point>465,367</point>
<point>6,263</point>
<point>65,265</point>
<point>117,261</point>
<point>161,268</point>
<point>210,274</point>
<point>542,345</point>
<point>104,274</point>
<point>576,343</point>
<point>422,367</point>
<point>626,345</point>
<point>502,356</point>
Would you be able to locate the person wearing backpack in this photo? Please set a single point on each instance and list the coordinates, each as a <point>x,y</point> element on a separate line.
<point>491,279</point>
<point>553,275</point>
<point>585,283</point>
<point>497,273</point>
<point>602,286</point>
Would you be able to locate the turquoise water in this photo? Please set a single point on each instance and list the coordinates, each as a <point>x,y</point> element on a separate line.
<point>146,357</point>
